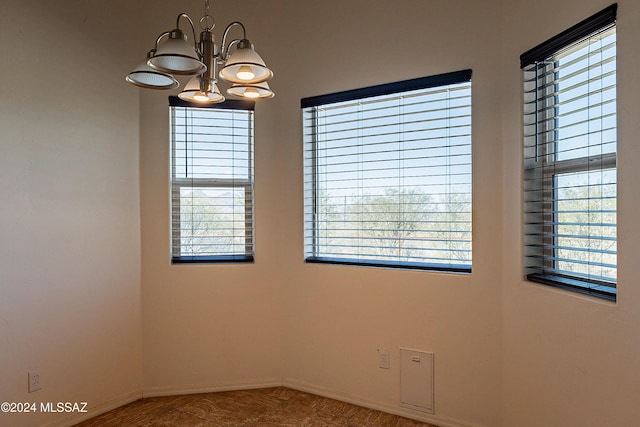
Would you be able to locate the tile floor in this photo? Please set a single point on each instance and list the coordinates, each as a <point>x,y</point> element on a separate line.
<point>278,406</point>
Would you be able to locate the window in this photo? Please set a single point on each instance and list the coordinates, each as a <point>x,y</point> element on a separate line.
<point>211,182</point>
<point>387,173</point>
<point>570,158</point>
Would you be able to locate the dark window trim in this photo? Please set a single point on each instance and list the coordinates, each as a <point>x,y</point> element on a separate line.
<point>211,259</point>
<point>389,264</point>
<point>461,76</point>
<point>579,31</point>
<point>594,288</point>
<point>229,104</point>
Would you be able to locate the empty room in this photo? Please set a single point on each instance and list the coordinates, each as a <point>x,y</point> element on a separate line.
<point>424,208</point>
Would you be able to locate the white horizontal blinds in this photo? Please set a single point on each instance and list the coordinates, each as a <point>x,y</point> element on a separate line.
<point>211,184</point>
<point>570,164</point>
<point>388,179</point>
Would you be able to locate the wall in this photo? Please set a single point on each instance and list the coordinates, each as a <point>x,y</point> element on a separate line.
<point>344,314</point>
<point>319,326</point>
<point>206,327</point>
<point>570,360</point>
<point>69,206</point>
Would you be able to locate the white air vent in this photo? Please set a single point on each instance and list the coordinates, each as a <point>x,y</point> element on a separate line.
<point>416,380</point>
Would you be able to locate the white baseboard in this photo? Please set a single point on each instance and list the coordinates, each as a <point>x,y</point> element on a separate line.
<point>94,411</point>
<point>367,403</point>
<point>210,388</point>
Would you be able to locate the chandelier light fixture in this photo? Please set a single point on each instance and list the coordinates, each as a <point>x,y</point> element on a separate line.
<point>173,56</point>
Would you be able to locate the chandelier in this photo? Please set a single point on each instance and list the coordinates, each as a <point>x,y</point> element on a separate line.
<point>173,55</point>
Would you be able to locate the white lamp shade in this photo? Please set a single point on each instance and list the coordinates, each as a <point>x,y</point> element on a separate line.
<point>193,93</point>
<point>177,56</point>
<point>245,66</point>
<point>148,78</point>
<point>251,91</point>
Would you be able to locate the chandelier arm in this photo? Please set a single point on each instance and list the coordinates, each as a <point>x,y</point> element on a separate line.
<point>193,30</point>
<point>225,49</point>
<point>225,56</point>
<point>166,33</point>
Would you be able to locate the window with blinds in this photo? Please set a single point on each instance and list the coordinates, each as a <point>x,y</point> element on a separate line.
<point>570,158</point>
<point>387,175</point>
<point>211,182</point>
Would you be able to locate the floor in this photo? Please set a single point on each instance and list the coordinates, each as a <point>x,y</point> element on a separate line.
<point>278,406</point>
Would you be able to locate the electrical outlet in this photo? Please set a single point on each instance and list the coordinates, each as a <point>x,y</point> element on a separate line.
<point>35,381</point>
<point>383,359</point>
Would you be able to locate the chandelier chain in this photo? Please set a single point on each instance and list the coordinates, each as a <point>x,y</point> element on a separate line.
<point>207,22</point>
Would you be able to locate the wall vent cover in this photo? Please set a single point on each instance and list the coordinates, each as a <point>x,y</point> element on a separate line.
<point>416,380</point>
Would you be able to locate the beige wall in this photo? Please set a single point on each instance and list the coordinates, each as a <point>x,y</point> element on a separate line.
<point>205,326</point>
<point>69,206</point>
<point>569,360</point>
<point>343,314</point>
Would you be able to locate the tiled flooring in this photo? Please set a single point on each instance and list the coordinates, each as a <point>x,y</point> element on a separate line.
<point>279,406</point>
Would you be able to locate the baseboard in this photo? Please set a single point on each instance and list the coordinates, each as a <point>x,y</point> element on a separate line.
<point>94,411</point>
<point>255,384</point>
<point>211,388</point>
<point>367,403</point>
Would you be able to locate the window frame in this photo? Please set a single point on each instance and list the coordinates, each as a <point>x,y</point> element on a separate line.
<point>361,94</point>
<point>247,185</point>
<point>543,181</point>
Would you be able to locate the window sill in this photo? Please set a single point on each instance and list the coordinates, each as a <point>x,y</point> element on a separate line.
<point>444,268</point>
<point>219,259</point>
<point>596,289</point>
